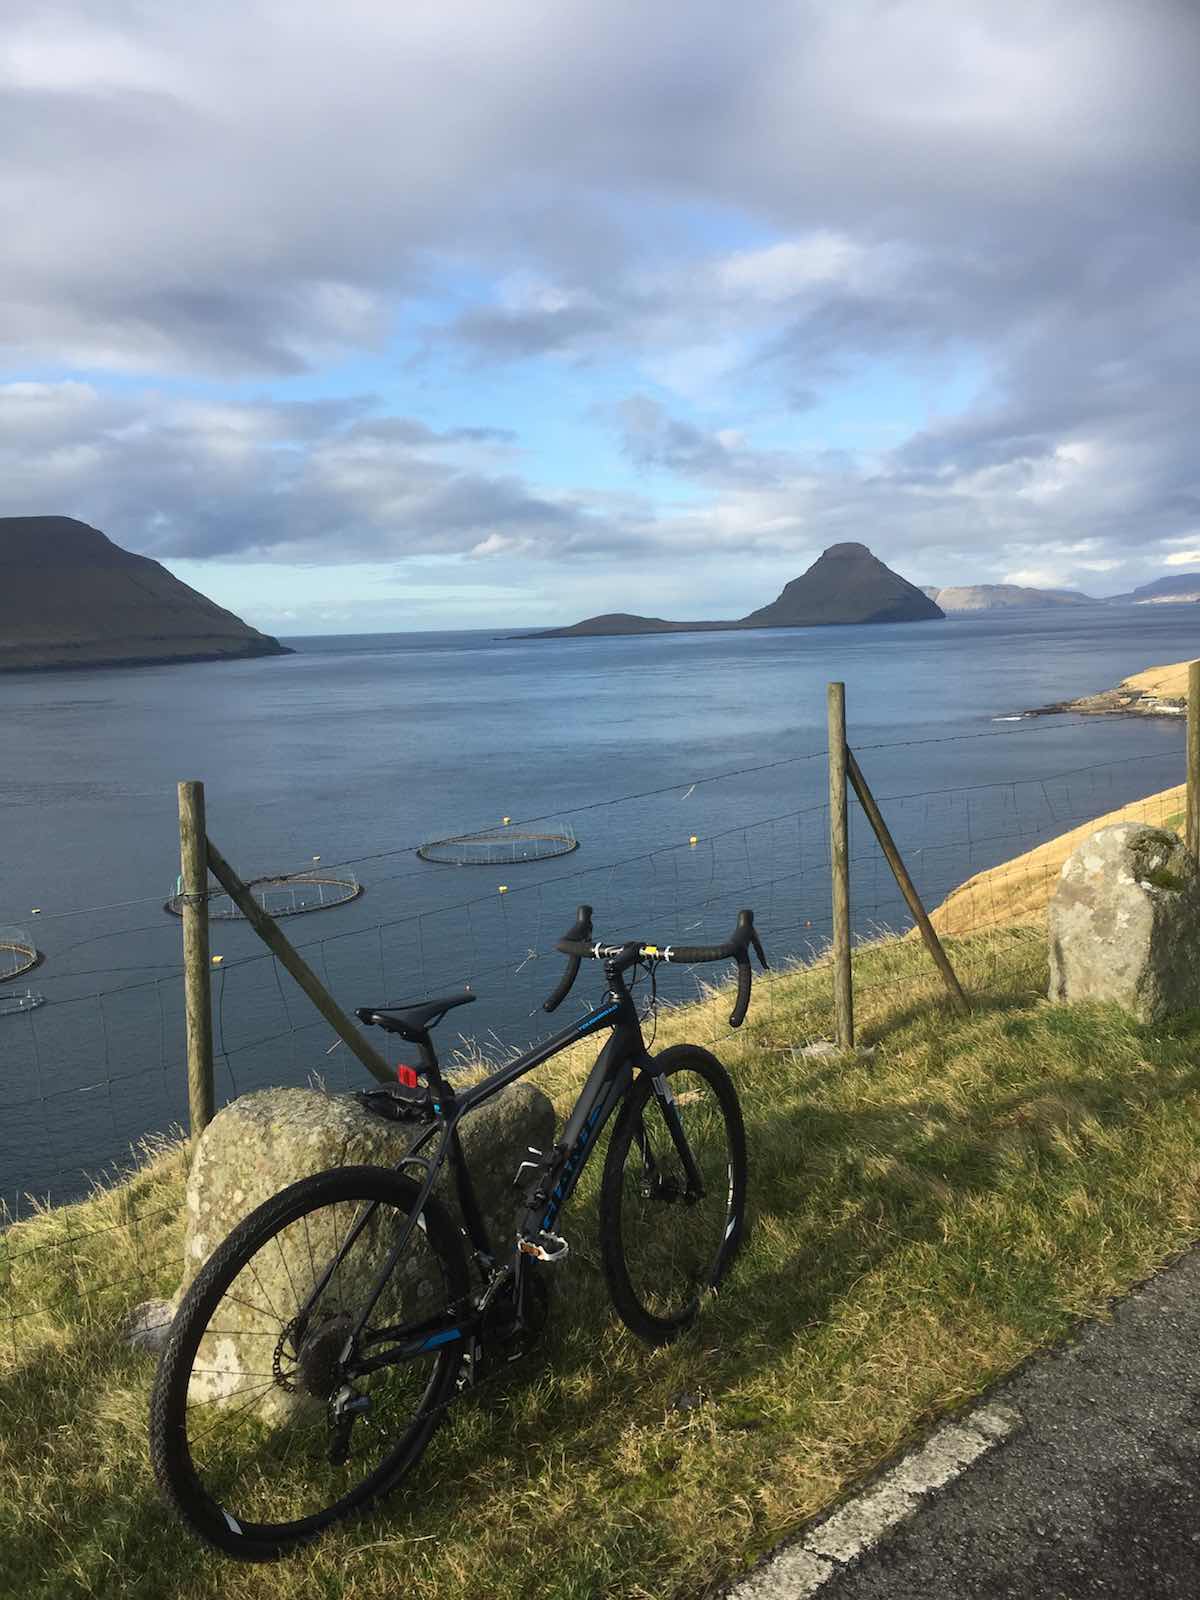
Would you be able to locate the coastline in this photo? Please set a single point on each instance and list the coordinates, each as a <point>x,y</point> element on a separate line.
<point>1155,692</point>
<point>252,651</point>
<point>1018,891</point>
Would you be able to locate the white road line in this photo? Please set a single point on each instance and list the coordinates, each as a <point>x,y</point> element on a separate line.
<point>801,1569</point>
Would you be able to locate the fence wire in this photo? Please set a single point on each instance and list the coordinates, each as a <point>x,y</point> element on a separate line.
<point>89,1073</point>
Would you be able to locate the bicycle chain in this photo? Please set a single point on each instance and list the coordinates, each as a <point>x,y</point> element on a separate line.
<point>470,1357</point>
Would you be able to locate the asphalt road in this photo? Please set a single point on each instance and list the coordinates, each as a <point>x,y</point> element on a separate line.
<point>1095,1493</point>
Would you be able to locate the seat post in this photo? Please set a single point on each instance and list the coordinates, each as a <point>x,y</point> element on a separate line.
<point>429,1065</point>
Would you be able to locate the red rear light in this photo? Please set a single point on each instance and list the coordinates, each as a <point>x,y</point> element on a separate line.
<point>407,1076</point>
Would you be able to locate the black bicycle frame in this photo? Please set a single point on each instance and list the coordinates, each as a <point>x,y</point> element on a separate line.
<point>550,1187</point>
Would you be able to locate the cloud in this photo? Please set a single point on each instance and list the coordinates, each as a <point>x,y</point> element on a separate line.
<point>722,222</point>
<point>233,189</point>
<point>521,332</point>
<point>345,483</point>
<point>653,439</point>
<point>321,482</point>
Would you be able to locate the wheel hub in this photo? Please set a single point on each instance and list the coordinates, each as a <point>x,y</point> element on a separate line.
<point>665,1189</point>
<point>318,1360</point>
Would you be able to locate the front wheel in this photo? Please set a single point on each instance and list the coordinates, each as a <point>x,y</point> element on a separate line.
<point>673,1198</point>
<point>268,1419</point>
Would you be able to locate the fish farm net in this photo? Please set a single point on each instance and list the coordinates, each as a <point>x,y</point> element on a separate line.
<point>499,847</point>
<point>15,1005</point>
<point>18,953</point>
<point>280,895</point>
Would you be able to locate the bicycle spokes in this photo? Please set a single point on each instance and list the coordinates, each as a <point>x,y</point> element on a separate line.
<point>675,1189</point>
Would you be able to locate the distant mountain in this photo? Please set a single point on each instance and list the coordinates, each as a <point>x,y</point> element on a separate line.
<point>846,584</point>
<point>1178,589</point>
<point>976,597</point>
<point>69,597</point>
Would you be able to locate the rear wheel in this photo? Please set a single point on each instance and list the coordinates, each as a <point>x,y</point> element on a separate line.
<point>672,1201</point>
<point>263,1429</point>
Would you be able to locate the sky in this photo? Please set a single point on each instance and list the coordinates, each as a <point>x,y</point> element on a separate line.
<point>373,316</point>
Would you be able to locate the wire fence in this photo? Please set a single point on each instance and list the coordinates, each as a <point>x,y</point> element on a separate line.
<point>88,1075</point>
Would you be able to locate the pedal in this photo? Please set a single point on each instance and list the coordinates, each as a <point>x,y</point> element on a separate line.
<point>547,1247</point>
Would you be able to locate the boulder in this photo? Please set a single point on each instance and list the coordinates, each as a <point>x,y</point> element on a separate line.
<point>260,1143</point>
<point>1125,923</point>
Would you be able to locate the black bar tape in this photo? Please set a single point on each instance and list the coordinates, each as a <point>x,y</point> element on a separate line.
<point>742,1004</point>
<point>564,986</point>
<point>577,937</point>
<point>579,945</point>
<point>700,952</point>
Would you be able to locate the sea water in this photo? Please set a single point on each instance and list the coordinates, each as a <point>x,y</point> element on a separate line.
<point>356,749</point>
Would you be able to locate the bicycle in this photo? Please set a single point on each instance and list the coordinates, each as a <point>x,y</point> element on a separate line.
<point>318,1348</point>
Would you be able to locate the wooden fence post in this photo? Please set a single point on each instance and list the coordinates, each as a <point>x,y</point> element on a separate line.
<point>1193,760</point>
<point>907,888</point>
<point>193,865</point>
<point>839,862</point>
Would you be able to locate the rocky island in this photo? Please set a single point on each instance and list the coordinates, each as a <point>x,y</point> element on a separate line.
<point>70,597</point>
<point>846,584</point>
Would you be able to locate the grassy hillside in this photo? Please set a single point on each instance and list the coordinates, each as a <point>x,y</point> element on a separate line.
<point>1157,691</point>
<point>922,1219</point>
<point>70,597</point>
<point>1162,683</point>
<point>1018,891</point>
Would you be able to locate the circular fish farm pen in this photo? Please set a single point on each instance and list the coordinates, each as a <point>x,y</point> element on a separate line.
<point>18,953</point>
<point>284,894</point>
<point>499,847</point>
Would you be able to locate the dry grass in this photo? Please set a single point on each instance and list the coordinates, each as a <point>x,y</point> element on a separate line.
<point>921,1221</point>
<point>1159,683</point>
<point>1018,891</point>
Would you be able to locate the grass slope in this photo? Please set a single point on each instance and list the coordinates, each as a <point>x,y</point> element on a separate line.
<point>1160,683</point>
<point>1017,892</point>
<point>921,1221</point>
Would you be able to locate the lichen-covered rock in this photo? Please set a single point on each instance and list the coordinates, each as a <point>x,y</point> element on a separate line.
<point>263,1142</point>
<point>260,1143</point>
<point>1125,923</point>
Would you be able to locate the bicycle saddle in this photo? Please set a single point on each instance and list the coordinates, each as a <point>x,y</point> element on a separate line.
<point>412,1022</point>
